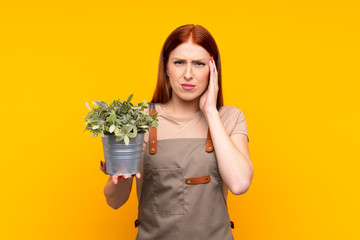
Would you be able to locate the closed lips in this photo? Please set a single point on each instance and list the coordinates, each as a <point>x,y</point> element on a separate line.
<point>187,85</point>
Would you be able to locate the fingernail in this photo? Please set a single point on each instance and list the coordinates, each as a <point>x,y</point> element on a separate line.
<point>212,59</point>
<point>101,163</point>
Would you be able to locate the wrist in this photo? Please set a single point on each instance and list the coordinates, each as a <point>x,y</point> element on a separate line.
<point>211,114</point>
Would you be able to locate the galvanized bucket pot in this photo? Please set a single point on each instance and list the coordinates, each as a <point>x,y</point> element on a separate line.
<point>122,158</point>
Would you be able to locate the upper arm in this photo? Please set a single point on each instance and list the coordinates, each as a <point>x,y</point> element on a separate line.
<point>239,133</point>
<point>240,140</point>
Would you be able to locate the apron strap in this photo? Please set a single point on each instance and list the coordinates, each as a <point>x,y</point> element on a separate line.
<point>153,132</point>
<point>209,145</point>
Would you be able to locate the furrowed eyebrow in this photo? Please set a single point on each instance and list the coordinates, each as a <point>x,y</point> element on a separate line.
<point>195,60</point>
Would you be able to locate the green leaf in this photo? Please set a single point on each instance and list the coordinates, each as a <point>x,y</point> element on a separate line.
<point>95,103</point>
<point>87,105</point>
<point>129,127</point>
<point>118,132</point>
<point>119,138</point>
<point>124,128</point>
<point>113,117</point>
<point>130,97</point>
<point>131,135</point>
<point>98,103</point>
<point>95,126</point>
<point>126,139</point>
<point>104,104</point>
<point>112,128</point>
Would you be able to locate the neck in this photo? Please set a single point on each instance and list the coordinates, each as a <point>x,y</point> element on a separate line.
<point>179,107</point>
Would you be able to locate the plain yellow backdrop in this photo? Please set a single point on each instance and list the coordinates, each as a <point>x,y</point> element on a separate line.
<point>292,67</point>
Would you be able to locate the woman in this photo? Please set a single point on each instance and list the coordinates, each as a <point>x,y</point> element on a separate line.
<point>198,152</point>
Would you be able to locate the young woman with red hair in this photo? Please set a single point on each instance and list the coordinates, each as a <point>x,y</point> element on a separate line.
<point>198,152</point>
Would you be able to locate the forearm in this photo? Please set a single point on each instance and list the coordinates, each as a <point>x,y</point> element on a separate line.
<point>235,169</point>
<point>117,194</point>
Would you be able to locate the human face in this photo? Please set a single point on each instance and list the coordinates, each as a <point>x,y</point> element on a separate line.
<point>188,71</point>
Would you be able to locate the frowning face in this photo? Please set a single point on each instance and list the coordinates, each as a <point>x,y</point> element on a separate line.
<point>188,71</point>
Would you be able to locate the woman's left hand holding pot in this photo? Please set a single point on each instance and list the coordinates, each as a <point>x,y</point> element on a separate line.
<point>116,178</point>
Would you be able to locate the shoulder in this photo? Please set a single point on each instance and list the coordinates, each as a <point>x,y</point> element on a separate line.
<point>233,120</point>
<point>230,112</point>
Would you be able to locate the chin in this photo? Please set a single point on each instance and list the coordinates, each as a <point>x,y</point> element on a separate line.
<point>189,97</point>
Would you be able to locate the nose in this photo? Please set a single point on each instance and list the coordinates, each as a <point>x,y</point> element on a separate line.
<point>188,73</point>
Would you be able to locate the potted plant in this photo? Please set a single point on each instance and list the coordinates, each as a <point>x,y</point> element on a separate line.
<point>122,126</point>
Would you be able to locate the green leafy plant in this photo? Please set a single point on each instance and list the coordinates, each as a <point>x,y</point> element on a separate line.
<point>122,119</point>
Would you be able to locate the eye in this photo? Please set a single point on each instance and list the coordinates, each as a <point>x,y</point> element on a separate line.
<point>178,62</point>
<point>200,64</point>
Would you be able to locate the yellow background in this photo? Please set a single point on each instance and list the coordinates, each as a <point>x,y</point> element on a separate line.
<point>291,66</point>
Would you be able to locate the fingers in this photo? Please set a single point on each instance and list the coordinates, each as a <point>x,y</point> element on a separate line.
<point>213,69</point>
<point>214,74</point>
<point>115,179</point>
<point>118,177</point>
<point>127,176</point>
<point>123,177</point>
<point>103,167</point>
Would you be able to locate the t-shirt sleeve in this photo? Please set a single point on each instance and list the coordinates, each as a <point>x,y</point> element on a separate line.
<point>240,123</point>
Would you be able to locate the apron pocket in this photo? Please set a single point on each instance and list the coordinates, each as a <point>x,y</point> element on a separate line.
<point>168,191</point>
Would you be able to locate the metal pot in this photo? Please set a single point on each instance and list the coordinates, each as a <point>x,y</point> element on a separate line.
<point>122,158</point>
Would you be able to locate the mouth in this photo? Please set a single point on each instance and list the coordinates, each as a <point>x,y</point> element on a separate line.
<point>187,86</point>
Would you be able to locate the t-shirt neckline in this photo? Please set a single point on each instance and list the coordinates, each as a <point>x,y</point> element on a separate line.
<point>160,110</point>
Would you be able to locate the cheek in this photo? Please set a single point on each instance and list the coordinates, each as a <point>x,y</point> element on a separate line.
<point>203,84</point>
<point>176,72</point>
<point>203,77</point>
<point>202,70</point>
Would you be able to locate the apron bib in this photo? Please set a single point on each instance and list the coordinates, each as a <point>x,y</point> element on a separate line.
<point>182,196</point>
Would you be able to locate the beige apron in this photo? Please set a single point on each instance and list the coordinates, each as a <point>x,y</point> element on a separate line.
<point>181,195</point>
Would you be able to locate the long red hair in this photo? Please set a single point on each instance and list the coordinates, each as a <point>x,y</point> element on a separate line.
<point>199,35</point>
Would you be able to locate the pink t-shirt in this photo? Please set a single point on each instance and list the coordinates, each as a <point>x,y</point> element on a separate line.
<point>195,125</point>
